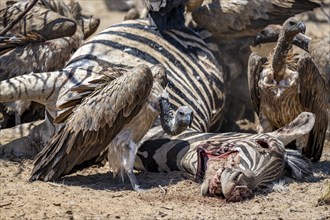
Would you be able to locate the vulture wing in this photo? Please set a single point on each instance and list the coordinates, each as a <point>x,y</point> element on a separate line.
<point>319,49</point>
<point>255,66</point>
<point>94,123</point>
<point>313,96</point>
<point>235,19</point>
<point>74,96</point>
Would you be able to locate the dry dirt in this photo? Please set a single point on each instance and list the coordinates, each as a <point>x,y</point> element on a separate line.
<point>93,194</point>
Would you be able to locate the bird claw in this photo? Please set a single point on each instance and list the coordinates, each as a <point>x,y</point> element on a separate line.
<point>138,189</point>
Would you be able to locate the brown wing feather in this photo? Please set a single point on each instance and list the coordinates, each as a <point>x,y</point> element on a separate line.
<point>255,67</point>
<point>236,19</point>
<point>313,96</point>
<point>94,123</point>
<point>78,93</point>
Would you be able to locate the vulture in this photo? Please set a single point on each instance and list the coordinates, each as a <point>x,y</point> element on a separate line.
<point>113,116</point>
<point>318,48</point>
<point>284,85</point>
<point>233,25</point>
<point>140,10</point>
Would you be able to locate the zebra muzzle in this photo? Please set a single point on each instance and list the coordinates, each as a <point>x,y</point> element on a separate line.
<point>236,184</point>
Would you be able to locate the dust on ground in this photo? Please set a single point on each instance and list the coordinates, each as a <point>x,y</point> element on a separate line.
<point>94,194</point>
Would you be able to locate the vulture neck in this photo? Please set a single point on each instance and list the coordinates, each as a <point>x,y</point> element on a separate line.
<point>282,49</point>
<point>167,118</point>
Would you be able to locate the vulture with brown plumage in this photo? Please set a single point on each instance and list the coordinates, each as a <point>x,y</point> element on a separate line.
<point>283,85</point>
<point>115,116</point>
<point>319,49</point>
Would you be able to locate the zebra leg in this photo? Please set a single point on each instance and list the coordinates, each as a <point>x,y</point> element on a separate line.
<point>27,139</point>
<point>17,141</point>
<point>38,87</point>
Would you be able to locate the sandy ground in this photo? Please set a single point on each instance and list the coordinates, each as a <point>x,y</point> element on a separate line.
<point>94,194</point>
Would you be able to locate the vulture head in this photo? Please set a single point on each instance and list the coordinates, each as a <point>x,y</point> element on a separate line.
<point>283,56</point>
<point>292,27</point>
<point>172,122</point>
<point>268,35</point>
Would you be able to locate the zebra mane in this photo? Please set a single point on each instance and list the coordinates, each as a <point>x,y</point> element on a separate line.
<point>298,166</point>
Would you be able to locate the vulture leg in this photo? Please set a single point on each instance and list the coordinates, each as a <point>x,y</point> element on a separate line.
<point>129,166</point>
<point>121,157</point>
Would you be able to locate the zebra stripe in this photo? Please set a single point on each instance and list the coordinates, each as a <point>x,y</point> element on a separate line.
<point>194,75</point>
<point>179,153</point>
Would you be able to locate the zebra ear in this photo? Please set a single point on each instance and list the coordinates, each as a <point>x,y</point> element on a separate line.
<point>301,125</point>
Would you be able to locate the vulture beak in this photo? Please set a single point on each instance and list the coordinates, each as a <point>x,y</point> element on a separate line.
<point>257,40</point>
<point>301,27</point>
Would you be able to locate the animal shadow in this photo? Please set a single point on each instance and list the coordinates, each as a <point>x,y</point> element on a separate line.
<point>106,181</point>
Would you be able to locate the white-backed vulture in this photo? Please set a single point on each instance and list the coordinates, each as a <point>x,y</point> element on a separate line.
<point>283,86</point>
<point>114,115</point>
<point>318,48</point>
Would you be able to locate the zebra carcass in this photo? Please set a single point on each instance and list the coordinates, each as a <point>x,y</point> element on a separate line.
<point>233,25</point>
<point>43,40</point>
<point>230,165</point>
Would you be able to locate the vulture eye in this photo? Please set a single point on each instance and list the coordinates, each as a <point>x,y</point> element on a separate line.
<point>292,23</point>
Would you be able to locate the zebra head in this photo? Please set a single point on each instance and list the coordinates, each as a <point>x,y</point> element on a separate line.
<point>233,168</point>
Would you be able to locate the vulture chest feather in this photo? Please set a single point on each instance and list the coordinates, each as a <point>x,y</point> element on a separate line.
<point>280,105</point>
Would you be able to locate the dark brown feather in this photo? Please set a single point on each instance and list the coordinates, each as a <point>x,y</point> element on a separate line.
<point>83,90</point>
<point>313,96</point>
<point>255,66</point>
